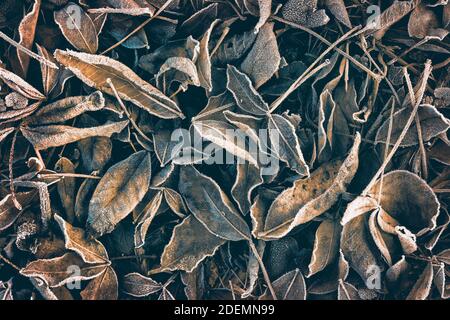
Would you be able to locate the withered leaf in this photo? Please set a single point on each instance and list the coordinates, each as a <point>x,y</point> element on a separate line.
<point>248,177</point>
<point>285,144</point>
<point>265,7</point>
<point>49,75</point>
<point>326,246</point>
<point>422,287</point>
<point>77,27</point>
<point>304,12</point>
<point>66,187</point>
<point>104,287</point>
<point>21,86</point>
<point>432,123</point>
<point>211,206</point>
<point>91,251</point>
<point>58,271</point>
<point>225,136</point>
<point>119,191</point>
<point>388,17</point>
<point>94,70</point>
<point>137,285</point>
<point>146,217</point>
<point>290,286</point>
<point>184,71</point>
<point>355,247</point>
<point>245,95</point>
<point>310,197</point>
<point>408,199</point>
<point>27,31</point>
<point>186,249</point>
<point>338,9</point>
<point>357,207</point>
<point>204,60</point>
<point>58,135</point>
<point>263,60</point>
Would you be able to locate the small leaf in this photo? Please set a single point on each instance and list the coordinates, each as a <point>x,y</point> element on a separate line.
<point>21,86</point>
<point>91,251</point>
<point>245,95</point>
<point>326,246</point>
<point>263,60</point>
<point>103,287</point>
<point>422,287</point>
<point>58,135</point>
<point>290,286</point>
<point>137,285</point>
<point>77,27</point>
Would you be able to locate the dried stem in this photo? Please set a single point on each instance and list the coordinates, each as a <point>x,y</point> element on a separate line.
<point>263,269</point>
<point>142,25</point>
<point>28,52</point>
<point>311,70</point>
<point>423,154</point>
<point>420,93</point>
<point>122,105</point>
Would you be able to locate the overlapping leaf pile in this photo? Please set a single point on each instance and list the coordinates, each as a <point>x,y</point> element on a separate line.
<point>95,202</point>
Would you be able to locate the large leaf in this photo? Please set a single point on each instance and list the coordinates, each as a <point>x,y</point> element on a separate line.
<point>119,191</point>
<point>94,70</point>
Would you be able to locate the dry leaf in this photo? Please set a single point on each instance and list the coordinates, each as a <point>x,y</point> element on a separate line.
<point>94,70</point>
<point>119,191</point>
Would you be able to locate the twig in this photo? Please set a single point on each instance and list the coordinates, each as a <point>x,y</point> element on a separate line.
<point>318,36</point>
<point>423,154</point>
<point>9,262</point>
<point>11,175</point>
<point>67,174</point>
<point>420,93</point>
<point>139,27</point>
<point>122,105</point>
<point>309,71</point>
<point>219,42</point>
<point>28,52</point>
<point>263,269</point>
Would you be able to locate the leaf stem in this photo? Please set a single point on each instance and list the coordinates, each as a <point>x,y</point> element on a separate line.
<point>263,269</point>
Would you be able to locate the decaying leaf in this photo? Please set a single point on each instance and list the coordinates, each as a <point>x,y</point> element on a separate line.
<point>310,197</point>
<point>77,27</point>
<point>94,70</point>
<point>118,193</point>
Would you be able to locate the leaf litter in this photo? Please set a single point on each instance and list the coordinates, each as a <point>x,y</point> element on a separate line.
<point>255,150</point>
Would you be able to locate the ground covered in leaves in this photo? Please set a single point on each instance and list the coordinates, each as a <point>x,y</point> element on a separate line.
<point>105,193</point>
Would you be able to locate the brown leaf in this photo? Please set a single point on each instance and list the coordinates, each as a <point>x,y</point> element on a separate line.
<point>137,285</point>
<point>391,15</point>
<point>49,75</point>
<point>432,123</point>
<point>290,286</point>
<point>119,191</point>
<point>263,60</point>
<point>58,135</point>
<point>94,70</point>
<point>245,95</point>
<point>310,197</point>
<point>338,9</point>
<point>186,249</point>
<point>211,206</point>
<point>61,270</point>
<point>27,30</point>
<point>77,27</point>
<point>248,177</point>
<point>409,200</point>
<point>66,187</point>
<point>422,287</point>
<point>103,287</point>
<point>326,246</point>
<point>265,7</point>
<point>204,59</point>
<point>91,251</point>
<point>21,86</point>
